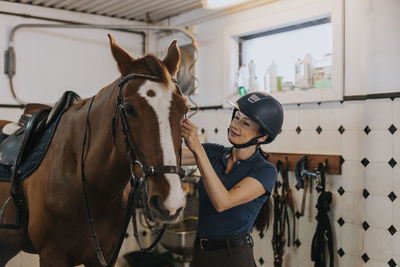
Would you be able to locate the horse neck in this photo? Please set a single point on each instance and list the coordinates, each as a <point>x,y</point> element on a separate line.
<point>106,164</point>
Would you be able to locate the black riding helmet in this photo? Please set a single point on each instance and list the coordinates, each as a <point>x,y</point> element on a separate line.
<point>265,110</point>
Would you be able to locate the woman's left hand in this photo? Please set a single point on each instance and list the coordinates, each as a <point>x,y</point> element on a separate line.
<point>189,133</point>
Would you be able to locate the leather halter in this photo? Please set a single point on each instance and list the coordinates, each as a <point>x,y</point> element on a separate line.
<point>137,185</point>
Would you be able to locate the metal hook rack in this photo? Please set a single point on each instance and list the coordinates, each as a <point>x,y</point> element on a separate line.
<point>333,162</point>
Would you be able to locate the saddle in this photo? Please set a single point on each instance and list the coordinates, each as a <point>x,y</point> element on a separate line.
<point>9,127</point>
<point>18,146</point>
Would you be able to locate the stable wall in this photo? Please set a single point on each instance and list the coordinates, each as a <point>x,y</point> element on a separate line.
<point>51,61</point>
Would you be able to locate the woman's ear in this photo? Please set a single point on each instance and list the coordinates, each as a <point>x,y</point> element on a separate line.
<point>263,138</point>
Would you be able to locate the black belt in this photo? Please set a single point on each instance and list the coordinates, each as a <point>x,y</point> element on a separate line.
<point>205,243</point>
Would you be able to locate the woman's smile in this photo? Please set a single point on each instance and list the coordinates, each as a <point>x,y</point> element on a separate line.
<point>233,133</point>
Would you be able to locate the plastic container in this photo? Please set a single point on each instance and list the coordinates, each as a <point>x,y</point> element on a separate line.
<point>297,72</point>
<point>252,76</point>
<point>270,78</point>
<point>243,79</point>
<point>305,72</point>
<point>322,72</point>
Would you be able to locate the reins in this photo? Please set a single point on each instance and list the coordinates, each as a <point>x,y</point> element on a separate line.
<point>137,185</point>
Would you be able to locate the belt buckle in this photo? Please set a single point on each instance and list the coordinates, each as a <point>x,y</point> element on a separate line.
<point>201,242</point>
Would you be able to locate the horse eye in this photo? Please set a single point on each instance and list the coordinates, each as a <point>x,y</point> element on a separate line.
<point>130,110</point>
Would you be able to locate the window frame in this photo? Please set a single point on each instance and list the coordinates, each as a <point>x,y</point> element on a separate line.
<point>287,15</point>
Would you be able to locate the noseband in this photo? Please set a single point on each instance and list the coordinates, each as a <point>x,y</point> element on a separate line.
<point>138,190</point>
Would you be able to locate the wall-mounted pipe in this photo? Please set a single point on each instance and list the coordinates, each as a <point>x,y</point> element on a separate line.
<point>10,64</point>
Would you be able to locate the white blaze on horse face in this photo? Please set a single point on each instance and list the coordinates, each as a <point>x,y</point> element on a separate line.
<point>161,103</point>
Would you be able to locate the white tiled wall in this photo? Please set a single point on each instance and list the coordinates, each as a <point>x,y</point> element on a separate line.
<point>378,177</point>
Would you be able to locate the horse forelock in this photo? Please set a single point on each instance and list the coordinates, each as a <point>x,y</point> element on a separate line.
<point>158,69</point>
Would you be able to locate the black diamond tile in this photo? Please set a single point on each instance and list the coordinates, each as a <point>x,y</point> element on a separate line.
<point>202,130</point>
<point>319,129</point>
<point>216,130</point>
<point>392,163</point>
<point>367,129</point>
<point>341,160</point>
<point>341,129</point>
<point>340,252</point>
<point>365,162</point>
<point>392,196</point>
<point>341,190</point>
<point>261,235</point>
<point>298,214</point>
<point>278,184</point>
<point>261,261</point>
<point>340,221</point>
<point>365,257</point>
<point>365,225</point>
<point>392,230</point>
<point>392,263</point>
<point>297,242</point>
<point>298,129</point>
<point>392,129</point>
<point>365,193</point>
<point>126,235</point>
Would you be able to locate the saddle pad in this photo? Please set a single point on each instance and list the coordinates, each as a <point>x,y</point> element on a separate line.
<point>37,152</point>
<point>39,145</point>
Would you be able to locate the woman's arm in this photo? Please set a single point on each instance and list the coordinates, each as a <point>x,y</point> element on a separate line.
<point>222,199</point>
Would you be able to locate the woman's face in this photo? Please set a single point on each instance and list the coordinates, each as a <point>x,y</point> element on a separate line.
<point>242,129</point>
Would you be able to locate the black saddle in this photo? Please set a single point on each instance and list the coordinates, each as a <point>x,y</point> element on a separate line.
<point>29,142</point>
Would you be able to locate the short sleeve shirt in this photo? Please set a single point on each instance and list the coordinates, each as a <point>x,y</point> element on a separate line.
<point>238,220</point>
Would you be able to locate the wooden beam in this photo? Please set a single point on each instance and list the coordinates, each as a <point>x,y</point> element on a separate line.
<point>334,161</point>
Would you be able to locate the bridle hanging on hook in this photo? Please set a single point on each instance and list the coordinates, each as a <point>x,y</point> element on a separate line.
<point>137,193</point>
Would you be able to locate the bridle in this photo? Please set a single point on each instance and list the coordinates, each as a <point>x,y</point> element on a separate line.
<point>138,186</point>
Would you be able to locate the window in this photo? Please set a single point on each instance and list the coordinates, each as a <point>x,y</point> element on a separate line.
<point>281,33</point>
<point>289,58</point>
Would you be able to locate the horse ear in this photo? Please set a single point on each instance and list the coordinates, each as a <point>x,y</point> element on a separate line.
<point>123,59</point>
<point>173,58</point>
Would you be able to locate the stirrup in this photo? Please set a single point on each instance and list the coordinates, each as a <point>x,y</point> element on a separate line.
<point>17,224</point>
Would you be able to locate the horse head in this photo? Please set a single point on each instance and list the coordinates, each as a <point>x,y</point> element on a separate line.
<point>152,108</point>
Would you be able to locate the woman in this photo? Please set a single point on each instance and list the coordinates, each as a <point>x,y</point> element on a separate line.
<point>236,182</point>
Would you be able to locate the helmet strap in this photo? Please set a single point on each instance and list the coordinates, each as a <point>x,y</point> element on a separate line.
<point>252,142</point>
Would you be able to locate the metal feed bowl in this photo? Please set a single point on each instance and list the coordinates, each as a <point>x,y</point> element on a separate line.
<point>179,237</point>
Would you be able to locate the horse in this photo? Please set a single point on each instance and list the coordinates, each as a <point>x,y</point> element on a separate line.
<point>129,127</point>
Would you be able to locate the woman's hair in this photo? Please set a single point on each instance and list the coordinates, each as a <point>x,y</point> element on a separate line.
<point>265,215</point>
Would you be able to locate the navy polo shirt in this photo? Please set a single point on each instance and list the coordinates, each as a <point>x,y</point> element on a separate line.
<point>240,219</point>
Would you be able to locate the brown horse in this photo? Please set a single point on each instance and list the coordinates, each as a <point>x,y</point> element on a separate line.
<point>58,227</point>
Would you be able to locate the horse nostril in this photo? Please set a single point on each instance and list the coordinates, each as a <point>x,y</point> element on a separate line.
<point>155,202</point>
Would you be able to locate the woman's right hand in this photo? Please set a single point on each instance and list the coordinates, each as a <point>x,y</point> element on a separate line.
<point>189,133</point>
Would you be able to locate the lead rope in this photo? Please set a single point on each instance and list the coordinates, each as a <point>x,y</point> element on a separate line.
<point>93,235</point>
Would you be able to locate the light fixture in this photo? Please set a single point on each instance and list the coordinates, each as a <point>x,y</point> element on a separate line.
<point>215,4</point>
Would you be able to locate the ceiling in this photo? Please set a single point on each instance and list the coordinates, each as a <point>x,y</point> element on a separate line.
<point>151,11</point>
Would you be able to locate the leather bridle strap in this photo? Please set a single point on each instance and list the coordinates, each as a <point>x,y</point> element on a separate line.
<point>140,183</point>
<point>130,144</point>
<point>95,240</point>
